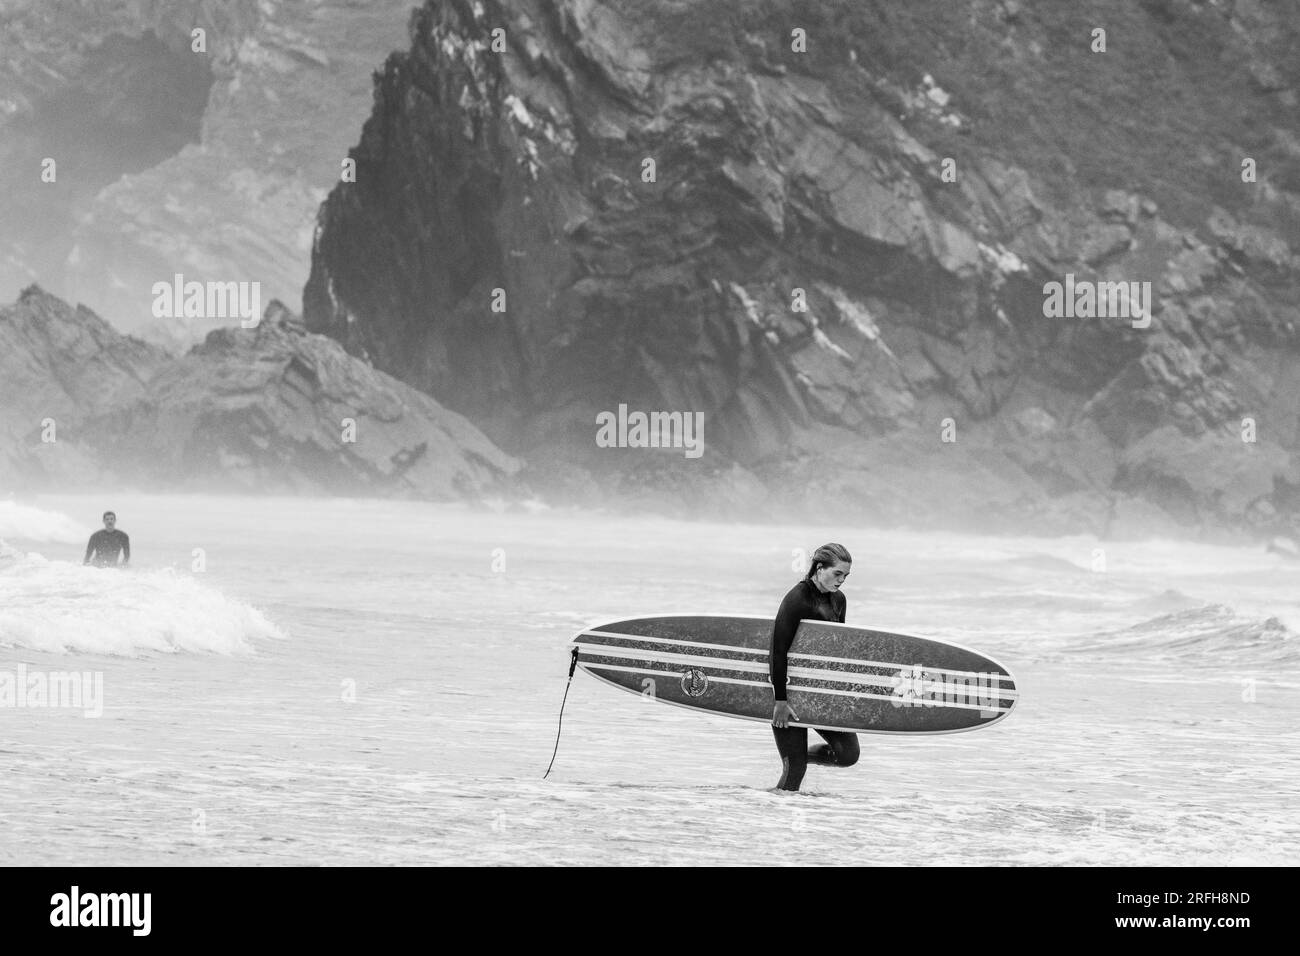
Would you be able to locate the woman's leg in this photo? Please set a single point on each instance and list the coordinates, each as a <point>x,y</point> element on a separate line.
<point>792,743</point>
<point>841,749</point>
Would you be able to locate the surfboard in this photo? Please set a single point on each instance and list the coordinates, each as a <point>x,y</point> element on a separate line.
<point>839,677</point>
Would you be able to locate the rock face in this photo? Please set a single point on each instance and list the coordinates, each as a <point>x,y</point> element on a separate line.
<point>838,253</point>
<point>208,163</point>
<point>268,409</point>
<point>59,368</point>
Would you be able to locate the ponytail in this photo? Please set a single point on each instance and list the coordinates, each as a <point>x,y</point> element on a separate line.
<point>827,555</point>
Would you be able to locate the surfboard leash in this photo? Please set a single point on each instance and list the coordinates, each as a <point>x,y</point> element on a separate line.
<point>573,666</point>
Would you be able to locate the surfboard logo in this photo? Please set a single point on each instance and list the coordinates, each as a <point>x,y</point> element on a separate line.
<point>695,683</point>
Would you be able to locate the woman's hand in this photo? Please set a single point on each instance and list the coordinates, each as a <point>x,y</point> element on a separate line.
<point>782,714</point>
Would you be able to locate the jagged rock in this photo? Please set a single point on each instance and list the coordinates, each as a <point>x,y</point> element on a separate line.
<point>1190,269</point>
<point>602,255</point>
<point>1267,76</point>
<point>1120,206</point>
<point>1010,10</point>
<point>1104,241</point>
<point>264,409</point>
<point>775,172</point>
<point>778,174</point>
<point>210,164</point>
<point>1205,480</point>
<point>59,367</point>
<point>1256,246</point>
<point>271,408</point>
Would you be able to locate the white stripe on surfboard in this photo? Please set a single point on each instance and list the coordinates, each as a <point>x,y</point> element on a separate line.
<point>668,673</point>
<point>876,731</point>
<point>642,653</point>
<point>669,640</point>
<point>902,702</point>
<point>805,657</point>
<point>880,629</point>
<point>944,688</point>
<point>842,677</point>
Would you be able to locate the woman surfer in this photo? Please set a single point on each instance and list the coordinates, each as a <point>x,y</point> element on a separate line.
<point>817,597</point>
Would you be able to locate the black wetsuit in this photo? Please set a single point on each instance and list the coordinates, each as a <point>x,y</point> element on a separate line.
<point>805,601</point>
<point>106,545</point>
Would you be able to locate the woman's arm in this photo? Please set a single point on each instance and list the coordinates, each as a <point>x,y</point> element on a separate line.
<point>783,630</point>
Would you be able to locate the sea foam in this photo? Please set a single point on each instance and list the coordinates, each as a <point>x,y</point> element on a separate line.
<point>60,607</point>
<point>37,524</point>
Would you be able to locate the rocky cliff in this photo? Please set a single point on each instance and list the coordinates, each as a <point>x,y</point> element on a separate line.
<point>828,227</point>
<point>209,162</point>
<point>271,409</point>
<point>59,368</point>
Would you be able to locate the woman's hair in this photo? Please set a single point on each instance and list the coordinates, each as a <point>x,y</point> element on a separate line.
<point>827,555</point>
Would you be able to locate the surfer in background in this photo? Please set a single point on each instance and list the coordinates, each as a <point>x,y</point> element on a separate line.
<point>817,597</point>
<point>108,545</point>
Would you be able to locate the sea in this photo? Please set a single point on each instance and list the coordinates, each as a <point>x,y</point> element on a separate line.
<point>328,681</point>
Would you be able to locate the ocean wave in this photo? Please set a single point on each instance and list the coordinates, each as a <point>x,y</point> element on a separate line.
<point>1039,561</point>
<point>1165,603</point>
<point>59,607</point>
<point>1209,632</point>
<point>37,524</point>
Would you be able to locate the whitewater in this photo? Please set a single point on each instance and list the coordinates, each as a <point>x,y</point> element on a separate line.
<point>338,681</point>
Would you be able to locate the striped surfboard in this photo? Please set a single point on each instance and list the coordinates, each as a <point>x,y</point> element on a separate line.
<point>840,677</point>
